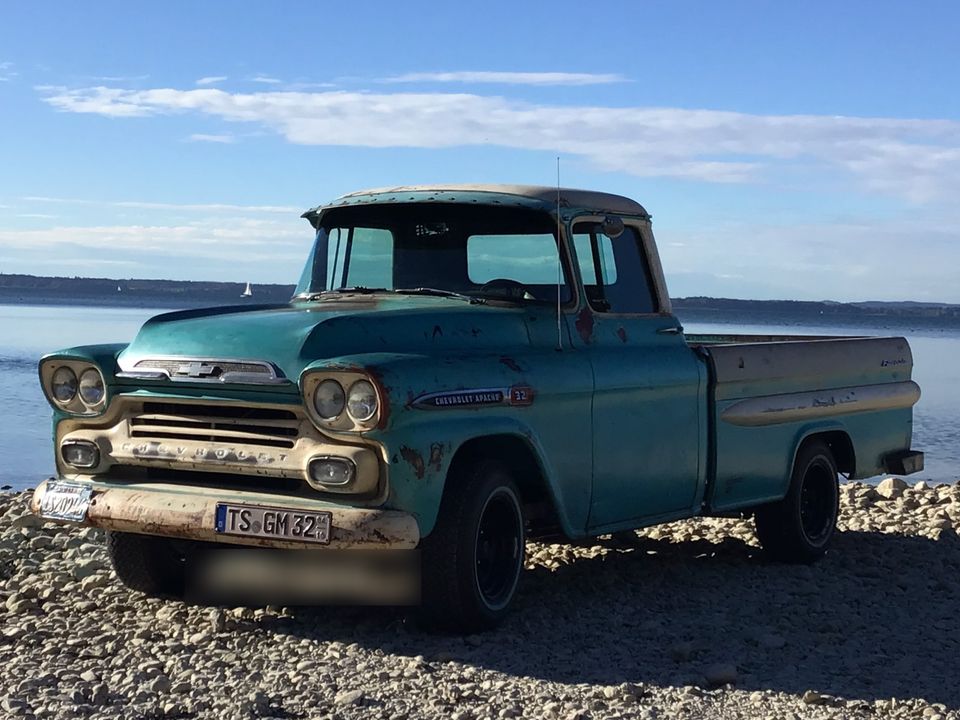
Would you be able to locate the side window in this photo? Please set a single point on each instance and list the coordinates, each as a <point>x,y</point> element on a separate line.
<point>583,242</point>
<point>615,272</point>
<point>360,257</point>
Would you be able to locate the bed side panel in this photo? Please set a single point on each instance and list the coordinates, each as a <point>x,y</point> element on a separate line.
<point>769,397</point>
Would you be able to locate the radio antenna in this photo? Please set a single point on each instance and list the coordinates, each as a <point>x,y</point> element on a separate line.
<point>559,264</point>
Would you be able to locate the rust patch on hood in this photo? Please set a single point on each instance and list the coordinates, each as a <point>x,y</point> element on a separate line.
<point>622,334</point>
<point>414,459</point>
<point>510,363</point>
<point>584,325</point>
<point>384,391</point>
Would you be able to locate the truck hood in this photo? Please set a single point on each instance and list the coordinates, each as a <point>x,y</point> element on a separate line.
<point>293,336</point>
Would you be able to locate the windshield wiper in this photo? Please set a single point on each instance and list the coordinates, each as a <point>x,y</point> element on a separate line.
<point>472,299</point>
<point>358,289</point>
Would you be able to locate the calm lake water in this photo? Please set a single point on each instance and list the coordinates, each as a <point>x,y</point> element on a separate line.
<point>27,332</point>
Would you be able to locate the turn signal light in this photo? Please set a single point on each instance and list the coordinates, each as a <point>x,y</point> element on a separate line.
<point>80,453</point>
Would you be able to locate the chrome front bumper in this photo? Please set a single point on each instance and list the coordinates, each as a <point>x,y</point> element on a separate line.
<point>189,512</point>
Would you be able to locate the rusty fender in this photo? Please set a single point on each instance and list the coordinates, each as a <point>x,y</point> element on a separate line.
<point>169,511</point>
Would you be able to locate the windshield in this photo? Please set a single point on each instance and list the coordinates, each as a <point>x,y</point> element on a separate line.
<point>477,251</point>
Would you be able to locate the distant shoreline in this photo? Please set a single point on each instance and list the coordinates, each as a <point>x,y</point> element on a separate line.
<point>182,294</point>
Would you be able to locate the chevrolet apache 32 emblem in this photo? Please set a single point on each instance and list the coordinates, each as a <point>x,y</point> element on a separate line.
<point>197,369</point>
<point>518,395</point>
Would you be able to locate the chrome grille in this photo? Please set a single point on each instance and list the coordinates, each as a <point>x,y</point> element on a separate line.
<point>264,427</point>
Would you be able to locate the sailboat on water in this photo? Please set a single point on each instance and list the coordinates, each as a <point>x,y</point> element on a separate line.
<point>247,292</point>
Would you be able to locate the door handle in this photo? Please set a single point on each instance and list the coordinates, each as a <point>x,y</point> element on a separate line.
<point>672,330</point>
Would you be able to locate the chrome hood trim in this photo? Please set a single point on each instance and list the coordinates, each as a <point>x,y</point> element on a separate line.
<point>204,370</point>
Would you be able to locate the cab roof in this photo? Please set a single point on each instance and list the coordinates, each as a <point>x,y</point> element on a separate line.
<point>538,197</point>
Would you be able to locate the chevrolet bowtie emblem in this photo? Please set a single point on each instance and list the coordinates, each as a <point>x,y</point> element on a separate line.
<point>198,369</point>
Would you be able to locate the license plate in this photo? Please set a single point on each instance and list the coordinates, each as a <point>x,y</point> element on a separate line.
<point>273,523</point>
<point>66,501</point>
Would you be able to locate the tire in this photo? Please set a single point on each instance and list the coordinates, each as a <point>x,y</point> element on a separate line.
<point>799,528</point>
<point>473,559</point>
<point>148,564</point>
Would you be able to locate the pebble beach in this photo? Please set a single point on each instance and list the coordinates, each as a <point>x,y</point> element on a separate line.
<point>686,620</point>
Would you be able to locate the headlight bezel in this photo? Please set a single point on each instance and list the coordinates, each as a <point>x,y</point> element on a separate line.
<point>347,379</point>
<point>76,404</point>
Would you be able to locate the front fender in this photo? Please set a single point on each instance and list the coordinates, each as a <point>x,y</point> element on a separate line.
<point>420,441</point>
<point>420,458</point>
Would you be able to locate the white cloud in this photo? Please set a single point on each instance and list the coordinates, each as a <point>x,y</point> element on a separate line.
<point>213,238</point>
<point>188,207</point>
<point>224,138</point>
<point>265,79</point>
<point>912,159</point>
<point>211,80</point>
<point>508,78</point>
<point>6,72</point>
<point>118,78</point>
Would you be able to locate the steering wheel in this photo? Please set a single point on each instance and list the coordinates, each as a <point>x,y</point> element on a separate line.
<point>506,287</point>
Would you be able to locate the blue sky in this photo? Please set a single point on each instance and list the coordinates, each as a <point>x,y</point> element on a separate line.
<point>786,150</point>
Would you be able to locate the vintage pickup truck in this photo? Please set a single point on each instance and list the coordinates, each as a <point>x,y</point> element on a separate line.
<point>460,369</point>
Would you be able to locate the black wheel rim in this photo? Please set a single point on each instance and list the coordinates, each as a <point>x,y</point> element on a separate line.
<point>818,503</point>
<point>499,549</point>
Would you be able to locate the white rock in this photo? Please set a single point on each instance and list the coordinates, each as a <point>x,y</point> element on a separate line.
<point>891,488</point>
<point>349,697</point>
<point>812,697</point>
<point>86,568</point>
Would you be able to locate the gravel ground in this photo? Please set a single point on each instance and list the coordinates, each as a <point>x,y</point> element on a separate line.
<point>685,620</point>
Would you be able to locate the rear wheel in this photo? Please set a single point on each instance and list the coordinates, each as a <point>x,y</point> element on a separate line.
<point>148,564</point>
<point>799,527</point>
<point>473,558</point>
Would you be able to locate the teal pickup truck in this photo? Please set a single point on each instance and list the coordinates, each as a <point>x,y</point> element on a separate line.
<point>460,369</point>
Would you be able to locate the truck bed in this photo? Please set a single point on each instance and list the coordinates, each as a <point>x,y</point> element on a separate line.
<point>767,393</point>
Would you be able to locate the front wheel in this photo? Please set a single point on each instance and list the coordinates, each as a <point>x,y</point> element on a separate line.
<point>147,563</point>
<point>799,527</point>
<point>473,558</point>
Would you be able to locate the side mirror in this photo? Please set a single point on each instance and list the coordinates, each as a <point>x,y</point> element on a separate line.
<point>612,226</point>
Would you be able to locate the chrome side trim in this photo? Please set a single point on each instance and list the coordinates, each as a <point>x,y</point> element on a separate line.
<point>793,407</point>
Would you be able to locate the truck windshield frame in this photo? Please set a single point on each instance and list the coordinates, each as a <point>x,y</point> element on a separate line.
<point>492,253</point>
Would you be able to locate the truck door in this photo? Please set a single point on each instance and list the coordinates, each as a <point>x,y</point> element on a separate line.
<point>648,419</point>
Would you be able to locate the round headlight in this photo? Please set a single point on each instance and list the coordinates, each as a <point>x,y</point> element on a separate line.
<point>328,399</point>
<point>91,387</point>
<point>64,385</point>
<point>362,401</point>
